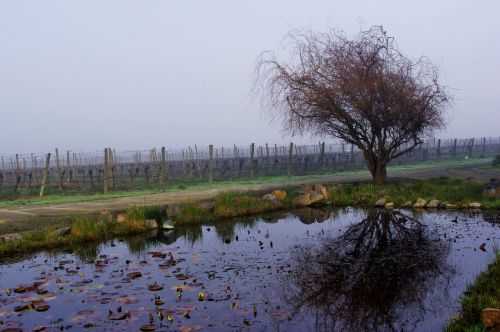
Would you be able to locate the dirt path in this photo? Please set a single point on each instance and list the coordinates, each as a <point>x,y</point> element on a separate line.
<point>17,218</point>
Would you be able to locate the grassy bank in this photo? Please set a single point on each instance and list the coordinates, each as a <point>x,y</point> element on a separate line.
<point>227,205</point>
<point>234,204</point>
<point>456,191</point>
<point>81,230</point>
<point>484,293</point>
<point>363,194</point>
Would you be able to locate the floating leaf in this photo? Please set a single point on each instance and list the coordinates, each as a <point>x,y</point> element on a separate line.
<point>148,328</point>
<point>155,287</point>
<point>134,275</point>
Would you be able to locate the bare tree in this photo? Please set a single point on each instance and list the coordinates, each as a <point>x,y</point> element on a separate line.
<point>362,91</point>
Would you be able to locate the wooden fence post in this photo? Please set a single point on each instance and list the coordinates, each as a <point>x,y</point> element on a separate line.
<point>322,155</point>
<point>483,150</point>
<point>455,147</point>
<point>163,165</point>
<point>267,160</point>
<point>106,170</point>
<point>59,171</point>
<point>438,148</point>
<point>290,154</point>
<point>252,161</point>
<point>18,173</point>
<point>45,176</point>
<point>210,163</point>
<point>471,147</point>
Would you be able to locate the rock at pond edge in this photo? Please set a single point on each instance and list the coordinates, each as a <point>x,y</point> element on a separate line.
<point>490,317</point>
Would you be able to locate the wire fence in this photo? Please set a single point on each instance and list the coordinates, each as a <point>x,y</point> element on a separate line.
<point>113,170</point>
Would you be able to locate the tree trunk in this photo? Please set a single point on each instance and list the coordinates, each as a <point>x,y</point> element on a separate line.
<point>380,173</point>
<point>377,168</point>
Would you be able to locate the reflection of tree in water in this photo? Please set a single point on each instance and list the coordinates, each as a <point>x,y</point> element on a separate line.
<point>362,279</point>
<point>491,217</point>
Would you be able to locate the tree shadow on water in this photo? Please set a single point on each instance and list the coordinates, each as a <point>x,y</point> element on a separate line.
<point>364,279</point>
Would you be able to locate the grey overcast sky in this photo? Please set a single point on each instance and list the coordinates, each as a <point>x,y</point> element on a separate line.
<point>84,74</point>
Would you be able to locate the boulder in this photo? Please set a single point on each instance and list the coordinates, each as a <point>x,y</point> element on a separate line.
<point>271,198</point>
<point>474,205</point>
<point>279,194</point>
<point>433,204</point>
<point>303,200</point>
<point>389,205</point>
<point>11,237</point>
<point>316,188</point>
<point>450,206</point>
<point>121,217</point>
<point>321,189</point>
<point>380,202</point>
<point>316,197</point>
<point>420,203</point>
<point>150,224</point>
<point>490,317</point>
<point>64,231</point>
<point>407,204</point>
<point>167,226</point>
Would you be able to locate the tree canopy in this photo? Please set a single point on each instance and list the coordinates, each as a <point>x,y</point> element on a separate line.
<point>363,91</point>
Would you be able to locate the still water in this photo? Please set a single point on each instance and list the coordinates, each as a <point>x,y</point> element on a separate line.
<point>307,270</point>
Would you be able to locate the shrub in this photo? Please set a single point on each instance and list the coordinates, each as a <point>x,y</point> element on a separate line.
<point>234,204</point>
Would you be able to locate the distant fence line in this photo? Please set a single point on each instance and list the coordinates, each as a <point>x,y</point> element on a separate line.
<point>124,170</point>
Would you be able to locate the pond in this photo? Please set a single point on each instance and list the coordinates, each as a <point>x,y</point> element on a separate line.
<point>307,270</point>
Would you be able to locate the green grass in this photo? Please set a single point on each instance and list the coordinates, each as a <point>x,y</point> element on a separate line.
<point>238,205</point>
<point>83,229</point>
<point>192,213</point>
<point>456,191</point>
<point>144,212</point>
<point>484,293</point>
<point>226,205</point>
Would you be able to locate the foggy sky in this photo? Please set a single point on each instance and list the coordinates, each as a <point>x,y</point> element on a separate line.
<point>86,74</point>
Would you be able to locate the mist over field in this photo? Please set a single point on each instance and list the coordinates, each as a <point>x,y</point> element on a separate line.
<point>83,75</point>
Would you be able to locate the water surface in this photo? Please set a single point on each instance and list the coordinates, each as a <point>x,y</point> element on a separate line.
<point>310,270</point>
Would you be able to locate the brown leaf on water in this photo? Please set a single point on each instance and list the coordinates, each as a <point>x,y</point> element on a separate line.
<point>40,306</point>
<point>148,328</point>
<point>12,329</point>
<point>83,315</point>
<point>182,276</point>
<point>182,287</point>
<point>126,299</point>
<point>157,254</point>
<point>25,288</point>
<point>155,287</point>
<point>134,275</point>
<point>190,328</point>
<point>22,307</point>
<point>118,315</point>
